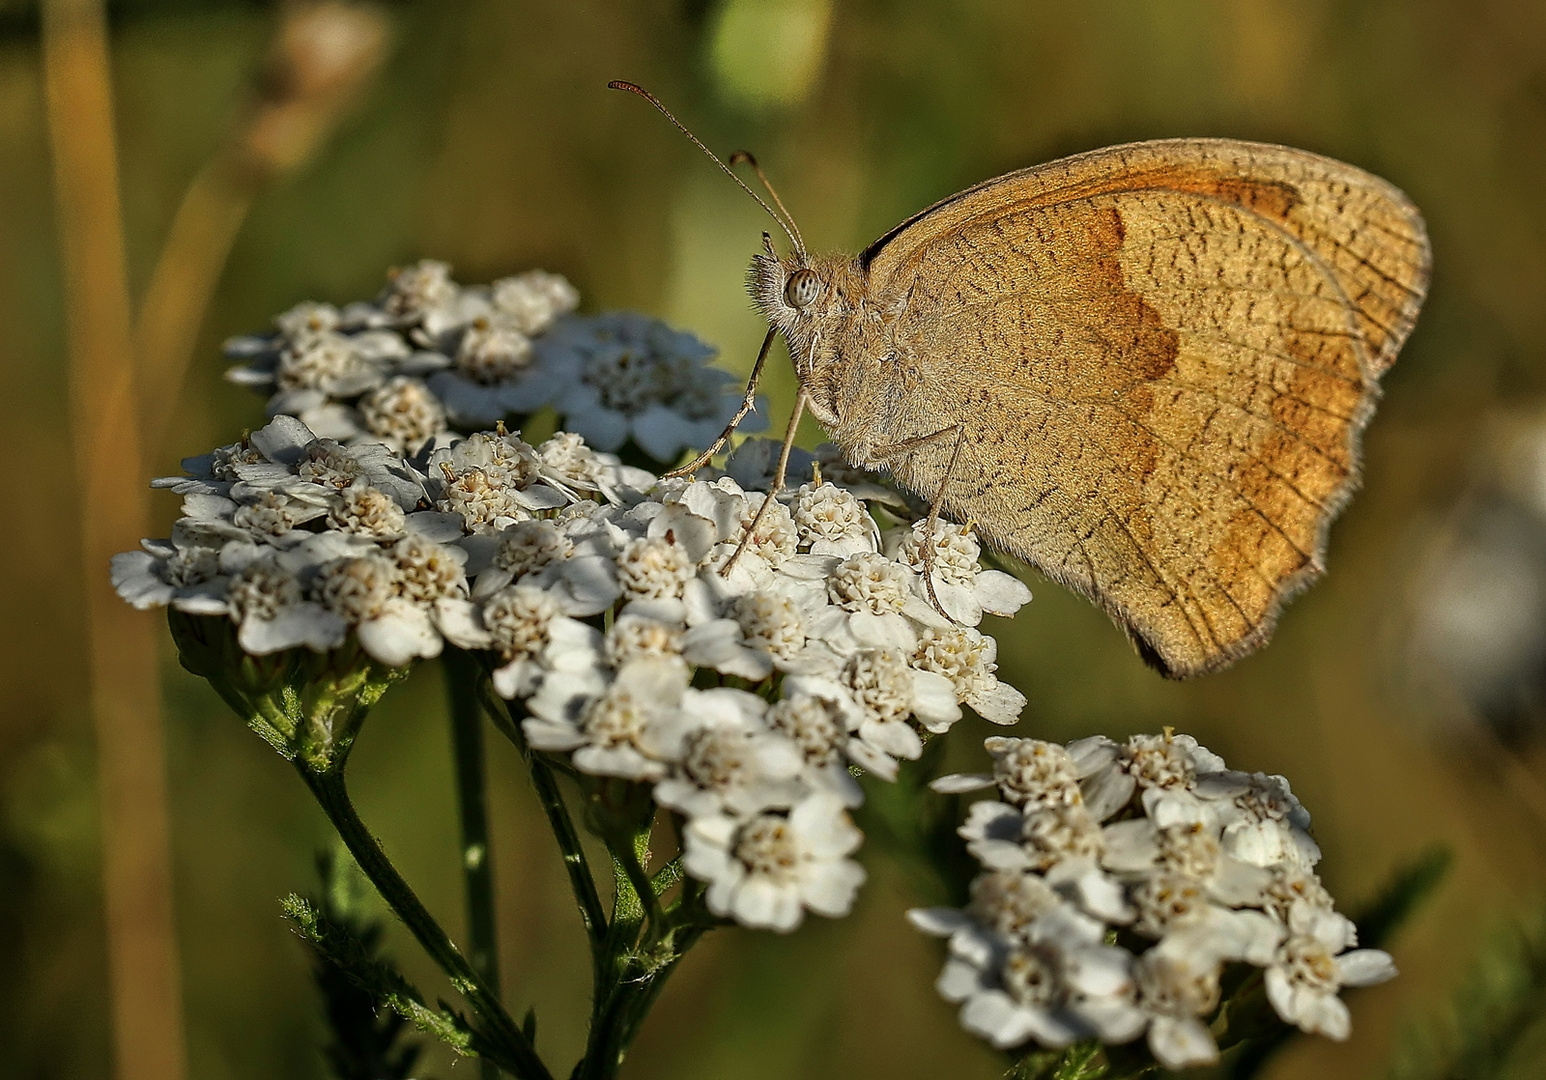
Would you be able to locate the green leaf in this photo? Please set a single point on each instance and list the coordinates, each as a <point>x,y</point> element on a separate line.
<point>339,947</point>
<point>1408,888</point>
<point>1082,1061</point>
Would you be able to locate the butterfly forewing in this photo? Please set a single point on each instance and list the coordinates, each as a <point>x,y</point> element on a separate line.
<point>1163,356</point>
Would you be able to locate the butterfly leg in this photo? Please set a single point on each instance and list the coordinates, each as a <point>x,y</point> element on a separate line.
<point>883,452</point>
<point>773,489</point>
<point>748,403</point>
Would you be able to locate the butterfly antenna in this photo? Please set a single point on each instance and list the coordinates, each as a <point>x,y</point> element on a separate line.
<point>793,234</point>
<point>790,227</point>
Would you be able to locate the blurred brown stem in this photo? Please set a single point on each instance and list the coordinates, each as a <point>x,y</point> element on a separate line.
<point>321,54</point>
<point>187,270</point>
<point>121,654</point>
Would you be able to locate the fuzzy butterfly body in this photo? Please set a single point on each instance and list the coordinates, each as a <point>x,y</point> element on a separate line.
<point>1145,370</point>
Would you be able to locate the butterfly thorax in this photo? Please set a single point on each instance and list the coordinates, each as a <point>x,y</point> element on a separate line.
<point>835,333</point>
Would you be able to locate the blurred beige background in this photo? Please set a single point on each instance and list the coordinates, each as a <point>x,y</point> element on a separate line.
<point>489,140</point>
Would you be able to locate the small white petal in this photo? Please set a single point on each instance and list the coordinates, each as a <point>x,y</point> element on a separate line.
<point>939,921</point>
<point>134,576</point>
<point>434,526</point>
<point>305,624</point>
<point>402,633</point>
<point>517,679</point>
<point>824,828</point>
<point>458,620</point>
<point>1001,705</point>
<point>1177,806</point>
<point>605,429</point>
<point>871,760</point>
<point>1239,884</point>
<point>548,735</point>
<point>934,701</point>
<point>1114,1021</point>
<point>1000,593</point>
<point>994,1015</point>
<point>1130,846</point>
<point>756,902</point>
<point>1326,1014</point>
<point>961,783</point>
<point>999,854</point>
<point>1092,754</point>
<point>888,631</point>
<point>829,888</point>
<point>1107,791</point>
<point>1365,967</point>
<point>696,534</point>
<point>1104,970</point>
<point>892,737</point>
<point>1181,1043</point>
<point>283,439</point>
<point>958,980</point>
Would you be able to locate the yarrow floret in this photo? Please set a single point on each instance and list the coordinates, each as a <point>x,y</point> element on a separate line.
<point>1195,866</point>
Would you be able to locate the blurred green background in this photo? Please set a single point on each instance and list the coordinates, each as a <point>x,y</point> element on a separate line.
<point>489,140</point>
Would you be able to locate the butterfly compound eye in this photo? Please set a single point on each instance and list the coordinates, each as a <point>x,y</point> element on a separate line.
<point>803,288</point>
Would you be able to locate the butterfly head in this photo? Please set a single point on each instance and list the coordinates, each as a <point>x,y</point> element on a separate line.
<point>810,299</point>
<point>798,293</point>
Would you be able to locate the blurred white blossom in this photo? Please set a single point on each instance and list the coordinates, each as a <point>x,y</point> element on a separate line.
<point>430,358</point>
<point>1154,837</point>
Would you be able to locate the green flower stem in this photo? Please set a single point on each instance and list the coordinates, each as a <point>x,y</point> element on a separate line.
<point>637,948</point>
<point>636,978</point>
<point>463,674</point>
<point>507,718</point>
<point>617,1017</point>
<point>333,796</point>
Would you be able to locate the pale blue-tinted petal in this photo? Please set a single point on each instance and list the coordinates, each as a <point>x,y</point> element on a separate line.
<point>134,577</point>
<point>660,432</point>
<point>283,439</point>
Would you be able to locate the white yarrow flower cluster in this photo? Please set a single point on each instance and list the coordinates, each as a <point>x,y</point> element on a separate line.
<point>743,690</point>
<point>430,358</point>
<point>1191,865</point>
<point>303,541</point>
<point>742,693</point>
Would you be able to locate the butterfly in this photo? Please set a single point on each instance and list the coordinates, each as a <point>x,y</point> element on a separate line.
<point>1144,370</point>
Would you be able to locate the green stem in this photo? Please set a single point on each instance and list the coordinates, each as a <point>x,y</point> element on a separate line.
<point>463,675</point>
<point>637,978</point>
<point>332,795</point>
<point>634,951</point>
<point>622,1012</point>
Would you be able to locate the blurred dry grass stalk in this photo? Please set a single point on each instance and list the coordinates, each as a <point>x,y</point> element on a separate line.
<point>321,55</point>
<point>121,644</point>
<point>124,385</point>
